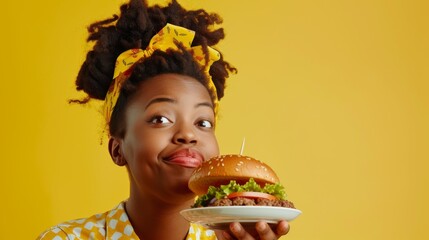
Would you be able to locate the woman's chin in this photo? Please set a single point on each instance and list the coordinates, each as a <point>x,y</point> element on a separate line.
<point>180,190</point>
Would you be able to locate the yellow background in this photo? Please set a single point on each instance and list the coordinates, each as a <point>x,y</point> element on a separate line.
<point>332,94</point>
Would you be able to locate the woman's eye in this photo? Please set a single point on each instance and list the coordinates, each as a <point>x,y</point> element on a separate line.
<point>159,120</point>
<point>205,124</point>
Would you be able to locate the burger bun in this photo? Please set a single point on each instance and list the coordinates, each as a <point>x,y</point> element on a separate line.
<point>222,169</point>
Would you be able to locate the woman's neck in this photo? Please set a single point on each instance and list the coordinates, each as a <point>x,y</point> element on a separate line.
<point>153,219</point>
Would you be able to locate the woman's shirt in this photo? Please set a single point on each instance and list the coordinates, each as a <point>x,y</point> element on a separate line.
<point>113,224</point>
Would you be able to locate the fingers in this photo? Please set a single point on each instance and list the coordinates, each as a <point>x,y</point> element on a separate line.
<point>223,235</point>
<point>283,228</point>
<point>235,232</point>
<point>263,231</point>
<point>239,232</point>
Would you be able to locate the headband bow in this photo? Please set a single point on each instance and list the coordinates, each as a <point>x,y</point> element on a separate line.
<point>165,39</point>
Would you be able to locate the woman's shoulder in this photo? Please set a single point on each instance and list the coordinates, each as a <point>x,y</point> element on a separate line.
<point>112,224</point>
<point>93,227</point>
<point>75,228</point>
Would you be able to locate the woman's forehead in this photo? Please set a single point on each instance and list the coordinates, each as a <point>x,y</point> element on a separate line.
<point>172,86</point>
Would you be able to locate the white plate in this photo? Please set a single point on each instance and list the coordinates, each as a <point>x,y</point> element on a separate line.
<point>221,217</point>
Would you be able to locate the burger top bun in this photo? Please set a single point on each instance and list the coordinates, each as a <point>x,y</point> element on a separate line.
<point>222,169</point>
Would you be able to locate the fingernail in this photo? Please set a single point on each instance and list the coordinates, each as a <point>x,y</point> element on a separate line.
<point>236,227</point>
<point>262,227</point>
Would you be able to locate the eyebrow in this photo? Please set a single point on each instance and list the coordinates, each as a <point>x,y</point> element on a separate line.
<point>204,104</point>
<point>169,100</point>
<point>158,100</point>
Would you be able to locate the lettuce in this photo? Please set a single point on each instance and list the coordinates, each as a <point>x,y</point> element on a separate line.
<point>275,189</point>
<point>251,186</point>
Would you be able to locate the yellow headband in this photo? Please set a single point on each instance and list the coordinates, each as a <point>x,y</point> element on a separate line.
<point>165,39</point>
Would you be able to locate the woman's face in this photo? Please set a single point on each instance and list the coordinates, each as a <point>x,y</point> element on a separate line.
<point>169,132</point>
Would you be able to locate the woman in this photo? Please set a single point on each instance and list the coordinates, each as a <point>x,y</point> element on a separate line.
<point>161,81</point>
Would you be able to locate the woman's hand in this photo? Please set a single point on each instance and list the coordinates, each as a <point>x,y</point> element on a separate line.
<point>263,232</point>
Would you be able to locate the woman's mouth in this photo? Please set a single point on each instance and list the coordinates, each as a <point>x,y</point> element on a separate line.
<point>186,158</point>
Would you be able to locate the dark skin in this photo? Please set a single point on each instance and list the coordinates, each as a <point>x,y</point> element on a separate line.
<point>263,231</point>
<point>169,131</point>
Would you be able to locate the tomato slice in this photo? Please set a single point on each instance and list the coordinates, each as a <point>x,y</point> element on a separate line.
<point>252,195</point>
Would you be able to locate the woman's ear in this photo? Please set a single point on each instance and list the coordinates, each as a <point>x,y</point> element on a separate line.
<point>116,152</point>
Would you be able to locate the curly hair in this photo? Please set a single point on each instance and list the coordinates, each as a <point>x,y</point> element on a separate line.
<point>134,27</point>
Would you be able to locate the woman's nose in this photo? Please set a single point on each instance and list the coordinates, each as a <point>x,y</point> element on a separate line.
<point>185,135</point>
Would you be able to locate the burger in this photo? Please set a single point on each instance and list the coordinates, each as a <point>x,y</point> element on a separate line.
<point>237,180</point>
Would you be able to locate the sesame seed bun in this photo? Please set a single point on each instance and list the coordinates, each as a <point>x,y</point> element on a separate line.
<point>222,169</point>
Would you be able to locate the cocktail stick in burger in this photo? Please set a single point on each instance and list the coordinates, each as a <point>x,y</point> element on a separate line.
<point>237,180</point>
